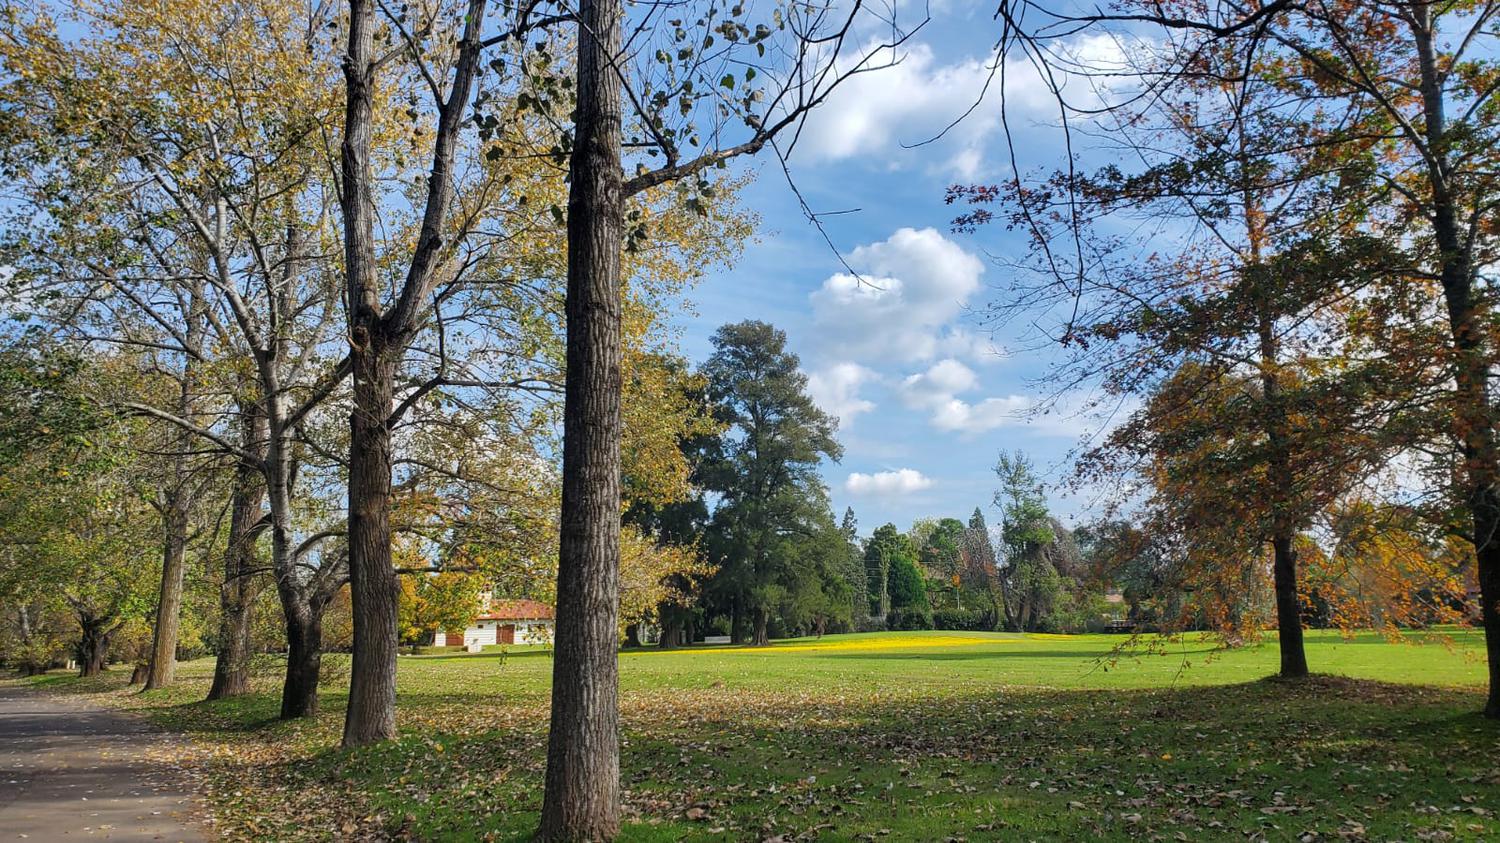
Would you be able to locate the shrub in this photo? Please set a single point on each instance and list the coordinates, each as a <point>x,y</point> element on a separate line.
<point>910,617</point>
<point>906,586</point>
<point>971,620</point>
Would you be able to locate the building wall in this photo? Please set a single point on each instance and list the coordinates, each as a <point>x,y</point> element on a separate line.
<point>481,632</point>
<point>488,632</point>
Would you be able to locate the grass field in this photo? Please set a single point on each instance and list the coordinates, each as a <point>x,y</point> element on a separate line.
<point>901,736</point>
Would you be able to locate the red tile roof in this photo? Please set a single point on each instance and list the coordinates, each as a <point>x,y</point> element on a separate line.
<point>517,610</point>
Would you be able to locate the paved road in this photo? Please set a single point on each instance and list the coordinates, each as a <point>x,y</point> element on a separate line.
<point>70,771</point>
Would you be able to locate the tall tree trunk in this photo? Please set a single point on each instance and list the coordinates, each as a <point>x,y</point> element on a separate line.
<point>1273,416</point>
<point>1288,607</point>
<point>377,341</point>
<point>371,715</point>
<point>1473,419</point>
<point>736,628</point>
<point>304,659</point>
<point>582,800</point>
<point>163,662</point>
<point>1284,533</point>
<point>237,592</point>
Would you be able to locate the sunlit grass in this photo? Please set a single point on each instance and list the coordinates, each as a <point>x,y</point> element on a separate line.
<point>895,736</point>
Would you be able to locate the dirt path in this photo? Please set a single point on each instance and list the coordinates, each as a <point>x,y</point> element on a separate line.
<point>71,771</point>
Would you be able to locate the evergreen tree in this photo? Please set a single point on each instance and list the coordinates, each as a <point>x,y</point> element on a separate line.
<point>854,571</point>
<point>764,469</point>
<point>883,548</point>
<point>980,575</point>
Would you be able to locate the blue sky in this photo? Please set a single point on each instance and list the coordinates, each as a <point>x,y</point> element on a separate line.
<point>927,395</point>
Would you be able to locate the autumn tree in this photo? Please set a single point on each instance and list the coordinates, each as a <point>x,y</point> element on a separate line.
<point>437,602</point>
<point>685,78</point>
<point>218,205</point>
<point>1259,284</point>
<point>1407,94</point>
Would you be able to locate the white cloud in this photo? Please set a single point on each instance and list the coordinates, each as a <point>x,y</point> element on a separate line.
<point>911,286</point>
<point>960,416</point>
<point>911,97</point>
<point>957,342</point>
<point>938,385</point>
<point>885,483</point>
<point>836,390</point>
<point>937,390</point>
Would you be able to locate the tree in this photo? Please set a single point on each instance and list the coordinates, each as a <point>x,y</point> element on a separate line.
<point>979,571</point>
<point>940,557</point>
<point>76,530</point>
<point>1413,130</point>
<point>908,589</point>
<point>200,250</point>
<point>667,96</point>
<point>853,571</point>
<point>379,338</point>
<point>1259,285</point>
<point>437,602</point>
<point>881,552</point>
<point>239,587</point>
<point>1028,581</point>
<point>764,467</point>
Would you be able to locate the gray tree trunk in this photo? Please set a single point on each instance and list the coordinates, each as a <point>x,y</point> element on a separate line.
<point>582,799</point>
<point>378,339</point>
<point>304,659</point>
<point>237,592</point>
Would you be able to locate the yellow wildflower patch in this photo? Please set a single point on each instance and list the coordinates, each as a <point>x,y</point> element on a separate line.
<point>912,642</point>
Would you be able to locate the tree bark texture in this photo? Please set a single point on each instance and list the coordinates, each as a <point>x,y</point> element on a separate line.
<point>371,715</point>
<point>582,799</point>
<point>237,592</point>
<point>378,340</point>
<point>304,660</point>
<point>163,663</point>
<point>1288,608</point>
<point>1473,419</point>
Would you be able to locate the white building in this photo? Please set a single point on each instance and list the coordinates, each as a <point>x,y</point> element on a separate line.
<point>505,622</point>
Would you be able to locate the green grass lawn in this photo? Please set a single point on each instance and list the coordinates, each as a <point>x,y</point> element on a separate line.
<point>901,736</point>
